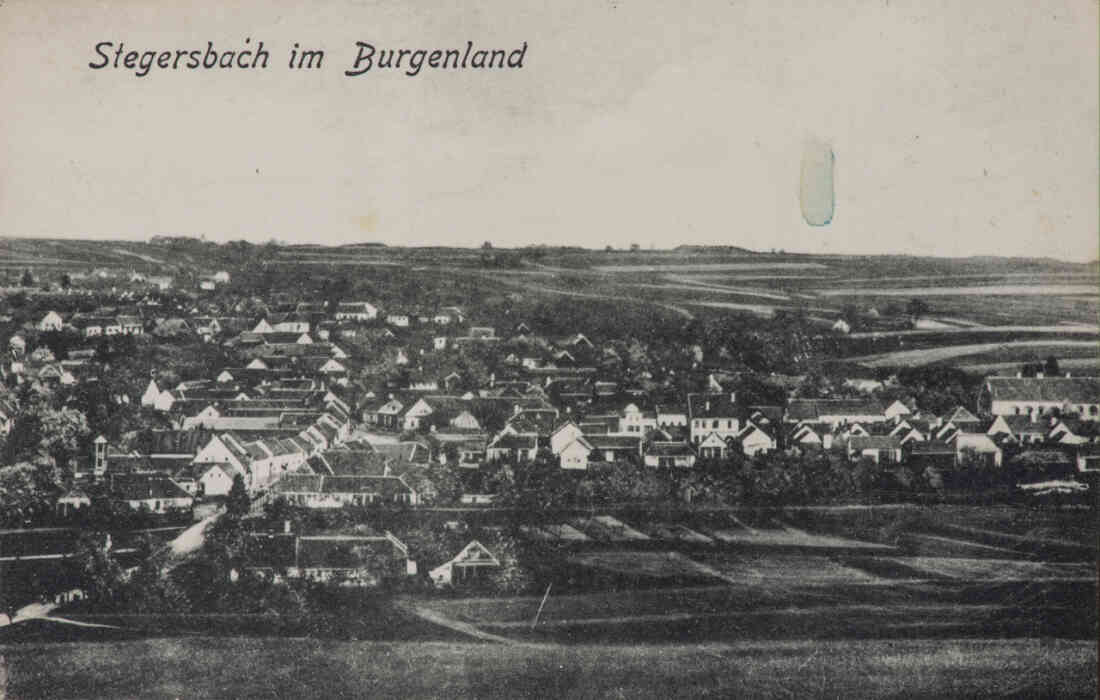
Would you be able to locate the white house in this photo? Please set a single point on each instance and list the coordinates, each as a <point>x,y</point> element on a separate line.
<point>712,446</point>
<point>897,409</point>
<point>635,420</point>
<point>356,311</point>
<point>216,480</point>
<point>755,441</point>
<point>713,414</point>
<point>52,321</point>
<point>473,562</point>
<point>1036,396</point>
<point>575,454</point>
<point>564,434</point>
<point>152,393</point>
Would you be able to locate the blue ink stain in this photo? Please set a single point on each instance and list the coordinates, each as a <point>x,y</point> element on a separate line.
<point>816,192</point>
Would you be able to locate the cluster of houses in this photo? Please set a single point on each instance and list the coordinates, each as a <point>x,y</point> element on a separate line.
<point>277,417</point>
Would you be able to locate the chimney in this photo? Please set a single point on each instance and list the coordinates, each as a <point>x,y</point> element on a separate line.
<point>1038,375</point>
<point>733,397</point>
<point>1019,375</point>
<point>286,527</point>
<point>1068,375</point>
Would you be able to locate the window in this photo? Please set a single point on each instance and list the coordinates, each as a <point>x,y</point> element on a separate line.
<point>1092,410</point>
<point>715,425</point>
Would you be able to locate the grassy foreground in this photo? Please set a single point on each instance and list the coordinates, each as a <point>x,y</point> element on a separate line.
<point>290,668</point>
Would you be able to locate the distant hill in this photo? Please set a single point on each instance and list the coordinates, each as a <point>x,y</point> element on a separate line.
<point>725,249</point>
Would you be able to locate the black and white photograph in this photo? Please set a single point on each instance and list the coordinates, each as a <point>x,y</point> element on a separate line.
<point>577,349</point>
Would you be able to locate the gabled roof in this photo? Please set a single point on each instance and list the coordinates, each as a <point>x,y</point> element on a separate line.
<point>1046,389</point>
<point>961,415</point>
<point>814,409</point>
<point>874,442</point>
<point>713,406</point>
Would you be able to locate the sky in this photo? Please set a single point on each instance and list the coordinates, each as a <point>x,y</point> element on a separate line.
<point>955,128</point>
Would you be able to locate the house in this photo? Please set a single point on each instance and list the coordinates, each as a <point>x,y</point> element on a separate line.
<point>963,420</point>
<point>1074,431</point>
<point>131,325</point>
<point>152,393</point>
<point>1088,458</point>
<point>322,491</point>
<point>671,415</point>
<point>755,440</point>
<point>881,449</point>
<point>713,414</point>
<point>474,562</point>
<point>979,445</point>
<point>399,320</point>
<point>834,411</point>
<point>896,410</point>
<point>356,311</point>
<point>575,454</point>
<point>669,454</point>
<point>564,434</point>
<point>212,479</point>
<point>934,454</point>
<point>351,560</point>
<point>71,501</point>
<point>52,321</point>
<point>713,446</point>
<point>842,326</point>
<point>508,445</point>
<point>634,420</point>
<point>154,493</point>
<point>1036,396</point>
<point>1021,429</point>
<point>17,345</point>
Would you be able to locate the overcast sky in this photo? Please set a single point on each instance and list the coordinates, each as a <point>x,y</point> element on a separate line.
<point>958,128</point>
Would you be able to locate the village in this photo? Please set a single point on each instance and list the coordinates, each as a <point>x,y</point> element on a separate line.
<point>372,410</point>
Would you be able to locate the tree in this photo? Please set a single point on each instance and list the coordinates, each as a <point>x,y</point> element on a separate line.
<point>487,245</point>
<point>96,570</point>
<point>917,308</point>
<point>22,496</point>
<point>66,281</point>
<point>27,280</point>
<point>1050,368</point>
<point>238,502</point>
<point>634,247</point>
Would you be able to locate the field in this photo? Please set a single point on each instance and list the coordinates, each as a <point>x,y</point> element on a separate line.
<point>222,668</point>
<point>983,295</point>
<point>1021,350</point>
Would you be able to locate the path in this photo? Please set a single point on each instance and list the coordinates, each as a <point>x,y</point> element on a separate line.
<point>191,539</point>
<point>438,618</point>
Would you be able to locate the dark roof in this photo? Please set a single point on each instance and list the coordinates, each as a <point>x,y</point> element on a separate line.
<point>961,415</point>
<point>514,442</point>
<point>669,449</point>
<point>931,447</point>
<point>135,487</point>
<point>614,442</point>
<point>1067,389</point>
<point>713,406</point>
<point>874,442</point>
<point>813,409</point>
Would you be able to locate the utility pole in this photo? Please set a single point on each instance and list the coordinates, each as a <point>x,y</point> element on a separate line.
<point>539,611</point>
